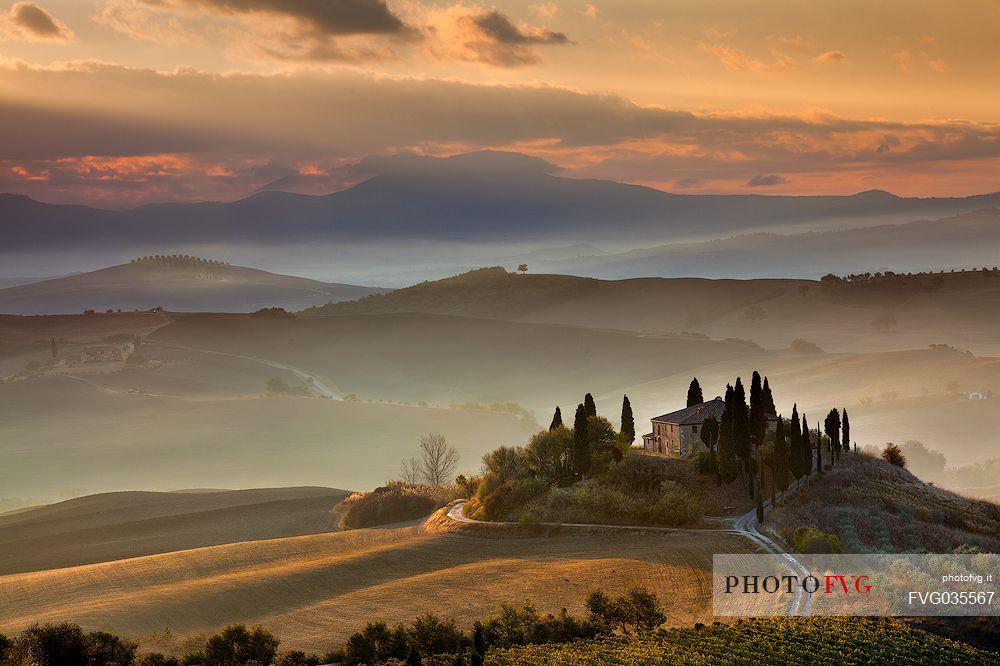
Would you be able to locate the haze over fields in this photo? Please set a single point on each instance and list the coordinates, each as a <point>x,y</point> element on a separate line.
<point>316,314</point>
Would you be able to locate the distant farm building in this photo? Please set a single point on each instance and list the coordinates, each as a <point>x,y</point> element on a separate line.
<point>678,434</point>
<point>103,353</point>
<point>978,396</point>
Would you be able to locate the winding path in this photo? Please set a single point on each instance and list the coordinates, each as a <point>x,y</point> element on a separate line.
<point>744,525</point>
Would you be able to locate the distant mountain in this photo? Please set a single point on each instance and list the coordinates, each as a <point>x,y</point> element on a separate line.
<point>966,240</point>
<point>183,284</point>
<point>475,198</point>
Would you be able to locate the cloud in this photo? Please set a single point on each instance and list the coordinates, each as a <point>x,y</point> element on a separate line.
<point>459,32</point>
<point>328,17</point>
<point>766,180</point>
<point>830,56</point>
<point>736,60</point>
<point>224,130</point>
<point>28,22</point>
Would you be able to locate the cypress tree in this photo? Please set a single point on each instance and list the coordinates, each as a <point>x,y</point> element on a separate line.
<point>769,407</point>
<point>819,449</point>
<point>628,422</point>
<point>727,464</point>
<point>556,419</point>
<point>758,415</point>
<point>741,424</point>
<point>846,428</point>
<point>414,658</point>
<point>478,639</point>
<point>781,457</point>
<point>590,405</point>
<point>581,447</point>
<point>832,427</point>
<point>760,497</point>
<point>797,465</point>
<point>807,454</point>
<point>710,437</point>
<point>695,396</point>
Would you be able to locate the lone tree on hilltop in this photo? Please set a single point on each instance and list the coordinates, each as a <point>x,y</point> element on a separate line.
<point>437,459</point>
<point>628,421</point>
<point>556,419</point>
<point>522,268</point>
<point>893,455</point>
<point>695,396</point>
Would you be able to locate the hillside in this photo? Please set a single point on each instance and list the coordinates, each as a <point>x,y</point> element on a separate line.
<point>115,526</point>
<point>873,506</point>
<point>786,641</point>
<point>447,359</point>
<point>183,284</point>
<point>961,309</point>
<point>313,591</point>
<point>476,197</point>
<point>967,239</point>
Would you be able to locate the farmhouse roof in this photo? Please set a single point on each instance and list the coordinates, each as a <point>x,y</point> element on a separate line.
<point>695,414</point>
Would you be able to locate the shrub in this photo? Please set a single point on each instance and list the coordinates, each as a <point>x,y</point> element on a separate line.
<point>812,541</point>
<point>637,473</point>
<point>156,659</point>
<point>236,646</point>
<point>892,454</point>
<point>50,645</point>
<point>393,503</point>
<point>297,658</point>
<point>503,499</point>
<point>272,313</point>
<point>105,648</point>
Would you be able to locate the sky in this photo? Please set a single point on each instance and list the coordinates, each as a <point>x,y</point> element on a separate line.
<point>118,103</point>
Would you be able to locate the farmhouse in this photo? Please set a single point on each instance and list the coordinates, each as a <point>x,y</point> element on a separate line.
<point>678,433</point>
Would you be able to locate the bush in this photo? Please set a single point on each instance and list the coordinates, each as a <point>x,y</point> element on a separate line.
<point>499,501</point>
<point>272,313</point>
<point>105,648</point>
<point>812,541</point>
<point>237,646</point>
<point>297,658</point>
<point>894,455</point>
<point>393,503</point>
<point>637,473</point>
<point>50,645</point>
<point>156,659</point>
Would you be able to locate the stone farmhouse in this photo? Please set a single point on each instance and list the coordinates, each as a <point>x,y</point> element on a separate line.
<point>678,434</point>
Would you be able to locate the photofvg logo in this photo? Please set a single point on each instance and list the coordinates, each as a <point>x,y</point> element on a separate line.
<point>869,584</point>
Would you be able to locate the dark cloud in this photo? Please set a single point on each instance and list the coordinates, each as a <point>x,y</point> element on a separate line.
<point>766,180</point>
<point>502,30</point>
<point>328,17</point>
<point>33,22</point>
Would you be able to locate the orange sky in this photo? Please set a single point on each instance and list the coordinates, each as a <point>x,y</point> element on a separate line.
<point>129,101</point>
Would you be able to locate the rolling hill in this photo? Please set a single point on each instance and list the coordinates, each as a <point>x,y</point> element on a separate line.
<point>476,197</point>
<point>116,526</point>
<point>313,591</point>
<point>961,309</point>
<point>185,284</point>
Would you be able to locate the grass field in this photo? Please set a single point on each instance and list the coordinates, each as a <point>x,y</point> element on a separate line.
<point>313,591</point>
<point>114,526</point>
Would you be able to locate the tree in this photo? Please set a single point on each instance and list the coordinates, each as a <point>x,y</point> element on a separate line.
<point>478,640</point>
<point>628,421</point>
<point>581,447</point>
<point>893,455</point>
<point>741,424</point>
<point>796,463</point>
<point>710,437</point>
<point>769,407</point>
<point>50,645</point>
<point>728,464</point>
<point>636,610</point>
<point>556,419</point>
<point>780,458</point>
<point>589,405</point>
<point>549,454</point>
<point>106,648</point>
<point>758,413</point>
<point>807,454</point>
<point>437,459</point>
<point>409,471</point>
<point>819,448</point>
<point>695,396</point>
<point>522,268</point>
<point>846,429</point>
<point>237,646</point>
<point>832,427</point>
